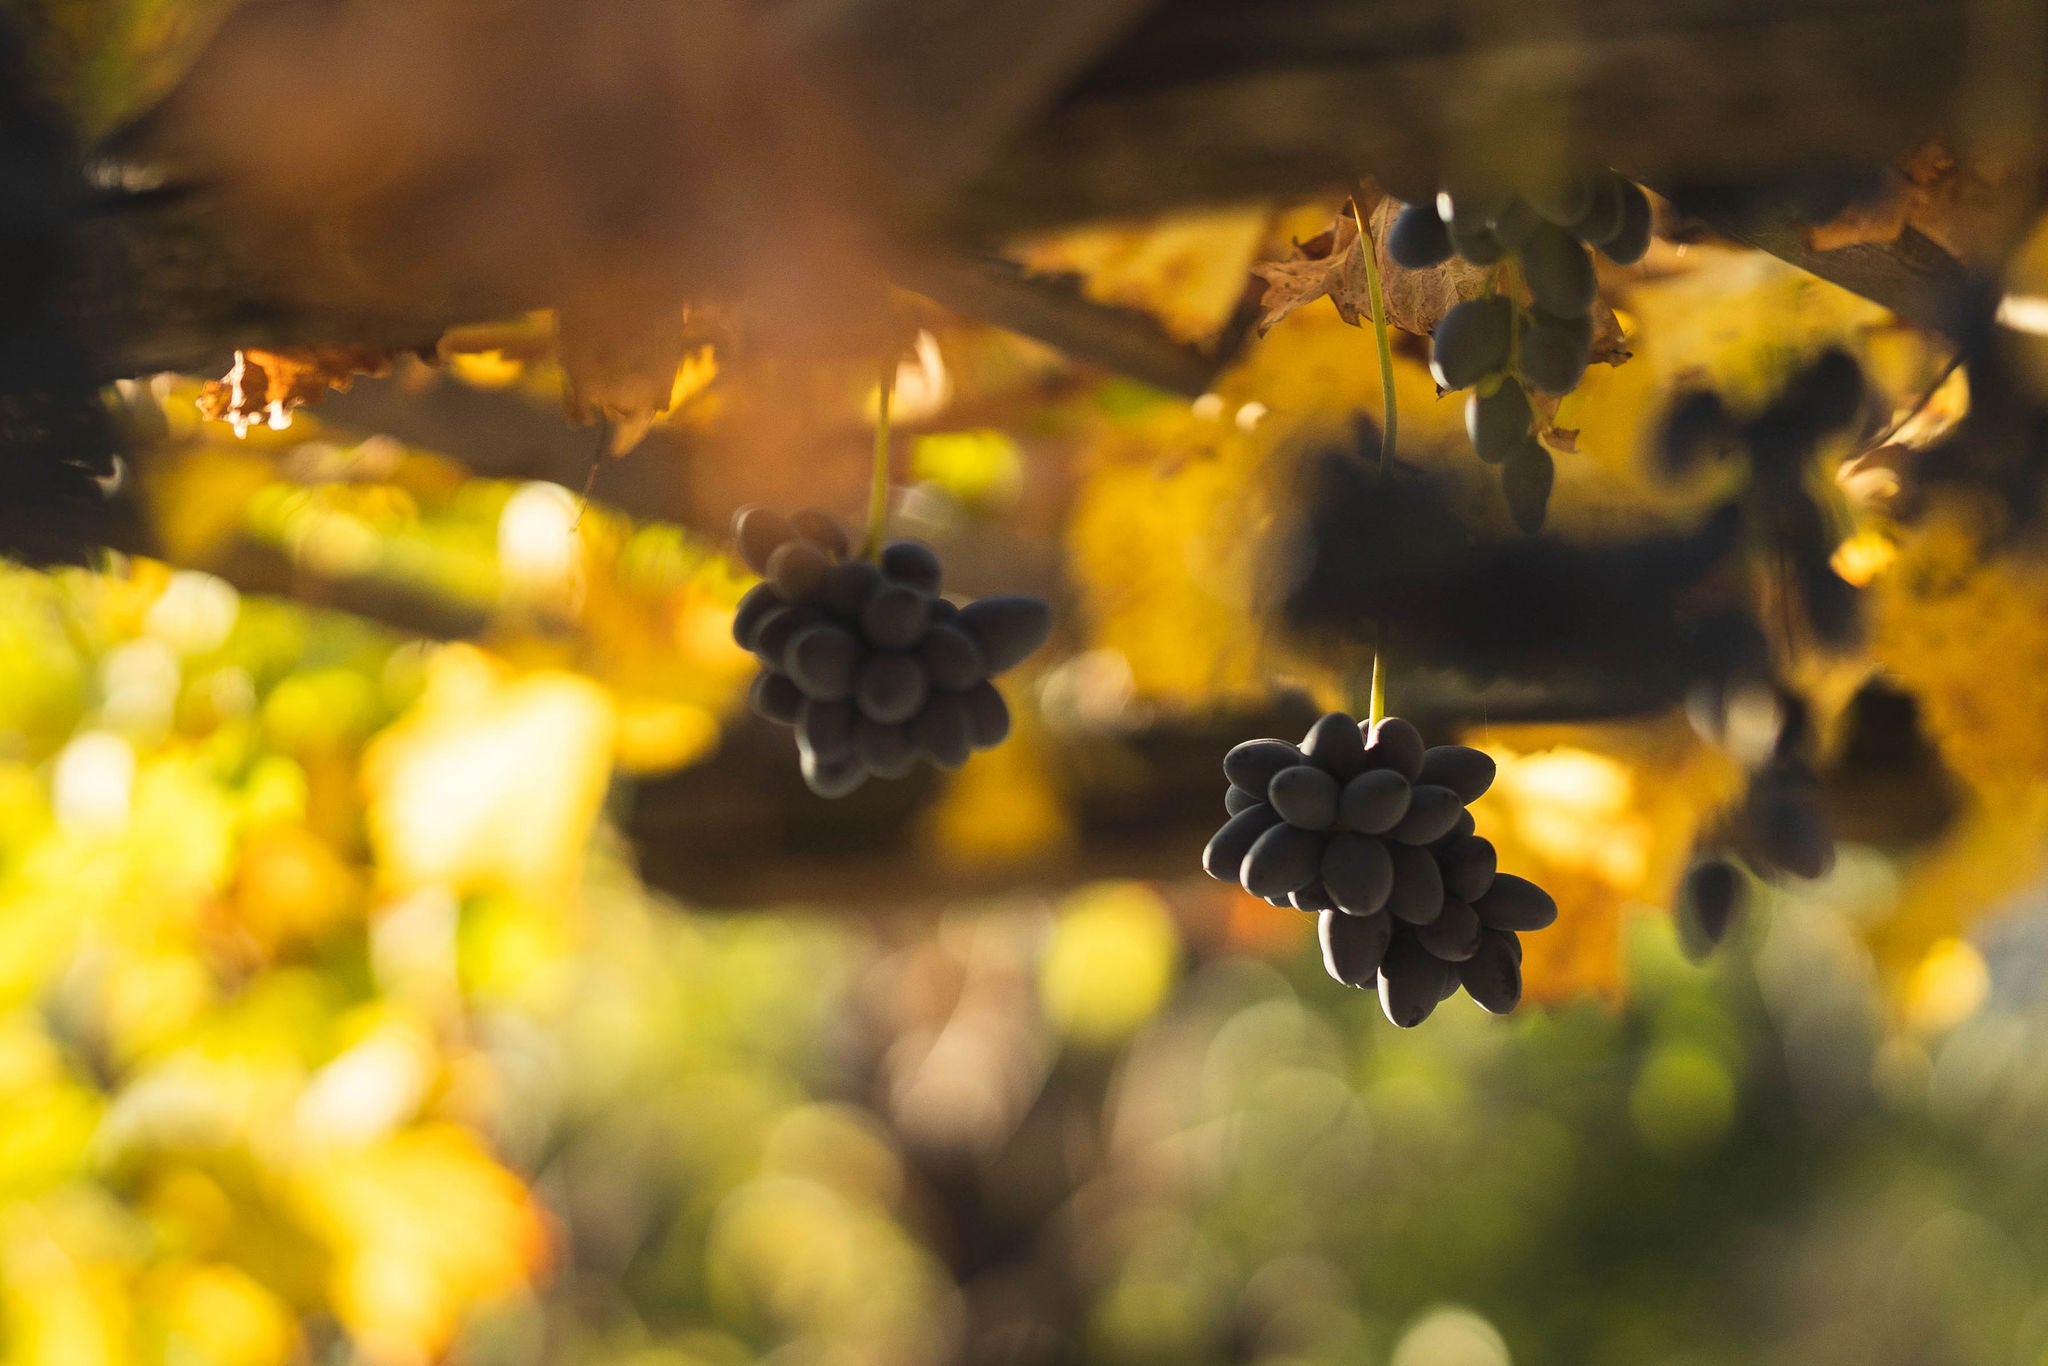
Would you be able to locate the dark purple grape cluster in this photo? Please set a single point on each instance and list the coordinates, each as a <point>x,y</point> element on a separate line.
<point>1823,398</point>
<point>870,665</point>
<point>1779,827</point>
<point>1368,829</point>
<point>1502,349</point>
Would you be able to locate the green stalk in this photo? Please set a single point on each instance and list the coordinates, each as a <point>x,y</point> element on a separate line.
<point>1377,706</point>
<point>878,487</point>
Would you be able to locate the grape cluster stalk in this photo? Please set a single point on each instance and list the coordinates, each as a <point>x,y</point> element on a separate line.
<point>1364,827</point>
<point>864,659</point>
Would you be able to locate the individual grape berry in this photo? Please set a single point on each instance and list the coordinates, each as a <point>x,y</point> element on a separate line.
<point>1824,397</point>
<point>891,689</point>
<point>1353,946</point>
<point>885,751</point>
<point>759,532</point>
<point>1418,894</point>
<point>1471,341</point>
<point>1236,799</point>
<point>1563,200</point>
<point>912,564</point>
<point>1464,770</point>
<point>1006,628</point>
<point>835,777</point>
<point>753,610</point>
<point>1558,272</point>
<point>1227,847</point>
<point>1432,811</point>
<point>1515,224</point>
<point>988,716</point>
<point>1605,212</point>
<point>826,729</point>
<point>895,617</point>
<point>1631,242</point>
<point>1412,981</point>
<point>1418,239</point>
<point>1554,352</point>
<point>1281,860</point>
<point>1358,872</point>
<point>1305,796</point>
<point>1515,903</point>
<point>823,660</point>
<point>848,587</point>
<point>1470,204</point>
<point>1334,745</point>
<point>1786,827</point>
<point>1468,866</point>
<point>1709,899</point>
<point>1492,976</point>
<point>1526,477</point>
<point>952,658</point>
<point>1464,826</point>
<point>1254,763</point>
<point>822,532</point>
<point>942,731</point>
<point>1397,745</point>
<point>776,697</point>
<point>1313,897</point>
<point>798,569</point>
<point>1454,935</point>
<point>1373,802</point>
<point>1500,421</point>
<point>1480,248</point>
<point>778,629</point>
<point>1694,430</point>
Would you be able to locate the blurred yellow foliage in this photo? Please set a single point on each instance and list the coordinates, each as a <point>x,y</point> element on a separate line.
<point>422,1225</point>
<point>1603,818</point>
<point>1005,808</point>
<point>1109,963</point>
<point>492,780</point>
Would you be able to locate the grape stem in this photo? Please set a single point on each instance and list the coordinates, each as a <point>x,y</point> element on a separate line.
<point>878,487</point>
<point>604,438</point>
<point>1377,706</point>
<point>1379,333</point>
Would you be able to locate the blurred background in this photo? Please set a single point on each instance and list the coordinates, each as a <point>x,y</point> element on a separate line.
<point>412,950</point>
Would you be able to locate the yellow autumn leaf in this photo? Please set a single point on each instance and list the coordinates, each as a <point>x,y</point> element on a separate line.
<point>1186,269</point>
<point>424,1227</point>
<point>490,780</point>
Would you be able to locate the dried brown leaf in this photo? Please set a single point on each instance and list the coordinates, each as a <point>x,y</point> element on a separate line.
<point>1964,207</point>
<point>263,387</point>
<point>620,364</point>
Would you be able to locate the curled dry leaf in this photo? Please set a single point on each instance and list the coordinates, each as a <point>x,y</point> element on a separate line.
<point>620,364</point>
<point>265,386</point>
<point>1329,265</point>
<point>1964,207</point>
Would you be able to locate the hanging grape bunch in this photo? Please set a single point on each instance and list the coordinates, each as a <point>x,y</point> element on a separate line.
<point>1780,441</point>
<point>1367,829</point>
<point>1502,348</point>
<point>1777,829</point>
<point>1740,705</point>
<point>866,661</point>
